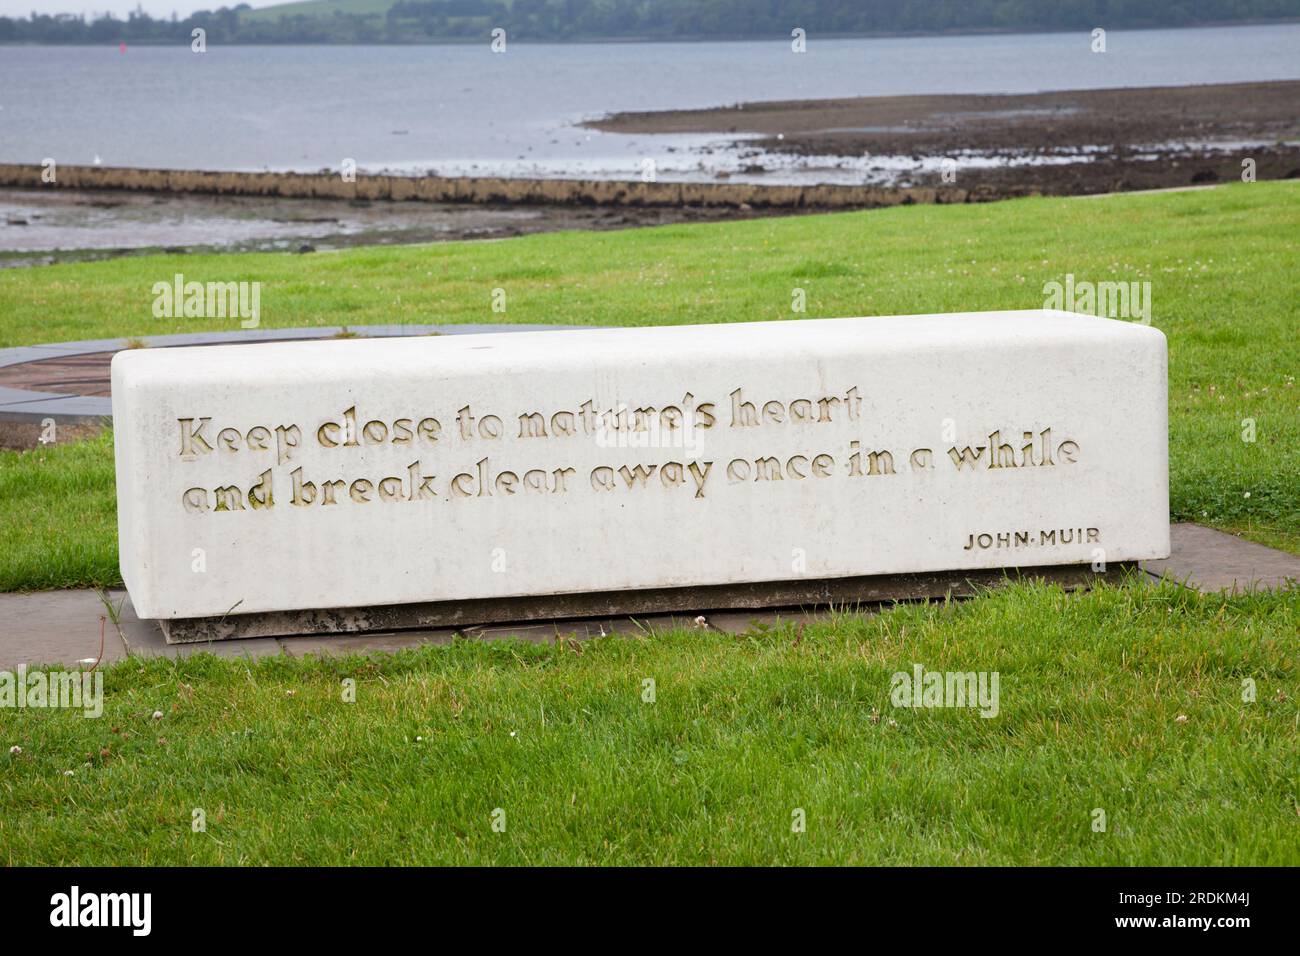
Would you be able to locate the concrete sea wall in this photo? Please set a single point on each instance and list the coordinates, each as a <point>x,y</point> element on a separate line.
<point>462,189</point>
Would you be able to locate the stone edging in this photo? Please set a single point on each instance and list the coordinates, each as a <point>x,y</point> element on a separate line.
<point>23,405</point>
<point>492,189</point>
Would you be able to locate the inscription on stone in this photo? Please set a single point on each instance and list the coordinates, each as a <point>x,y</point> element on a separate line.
<point>623,427</point>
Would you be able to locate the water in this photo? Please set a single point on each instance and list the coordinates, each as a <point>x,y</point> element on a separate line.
<point>465,110</point>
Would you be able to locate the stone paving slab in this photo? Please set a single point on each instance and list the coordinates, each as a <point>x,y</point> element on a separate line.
<point>65,408</point>
<point>85,345</point>
<point>1210,560</point>
<point>383,642</point>
<point>55,627</point>
<point>62,627</point>
<point>145,638</point>
<point>730,622</point>
<point>20,354</point>
<point>81,374</point>
<point>19,396</point>
<point>545,633</point>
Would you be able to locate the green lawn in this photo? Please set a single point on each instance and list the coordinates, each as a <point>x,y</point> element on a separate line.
<point>1222,265</point>
<point>1127,700</point>
<point>1132,700</point>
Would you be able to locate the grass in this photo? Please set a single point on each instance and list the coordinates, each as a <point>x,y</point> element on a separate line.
<point>1134,700</point>
<point>1222,265</point>
<point>743,731</point>
<point>58,517</point>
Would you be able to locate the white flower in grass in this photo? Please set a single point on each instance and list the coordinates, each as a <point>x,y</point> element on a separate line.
<point>15,750</point>
<point>157,715</point>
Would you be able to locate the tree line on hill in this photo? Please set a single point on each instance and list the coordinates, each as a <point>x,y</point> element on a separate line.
<point>414,21</point>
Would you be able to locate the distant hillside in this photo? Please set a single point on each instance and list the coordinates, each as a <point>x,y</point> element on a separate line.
<point>423,21</point>
<point>318,8</point>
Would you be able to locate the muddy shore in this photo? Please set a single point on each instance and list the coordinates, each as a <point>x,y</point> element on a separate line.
<point>1062,143</point>
<point>43,226</point>
<point>96,212</point>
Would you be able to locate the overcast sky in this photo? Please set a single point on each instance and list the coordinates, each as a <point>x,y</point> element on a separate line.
<point>155,8</point>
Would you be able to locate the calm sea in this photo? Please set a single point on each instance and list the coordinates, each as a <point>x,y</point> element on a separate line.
<point>465,109</point>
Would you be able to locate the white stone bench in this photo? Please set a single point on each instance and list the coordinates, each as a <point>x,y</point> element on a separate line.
<point>352,484</point>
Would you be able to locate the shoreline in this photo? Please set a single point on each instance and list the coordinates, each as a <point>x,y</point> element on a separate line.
<point>1069,142</point>
<point>45,226</point>
<point>99,212</point>
<point>466,189</point>
<point>884,151</point>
